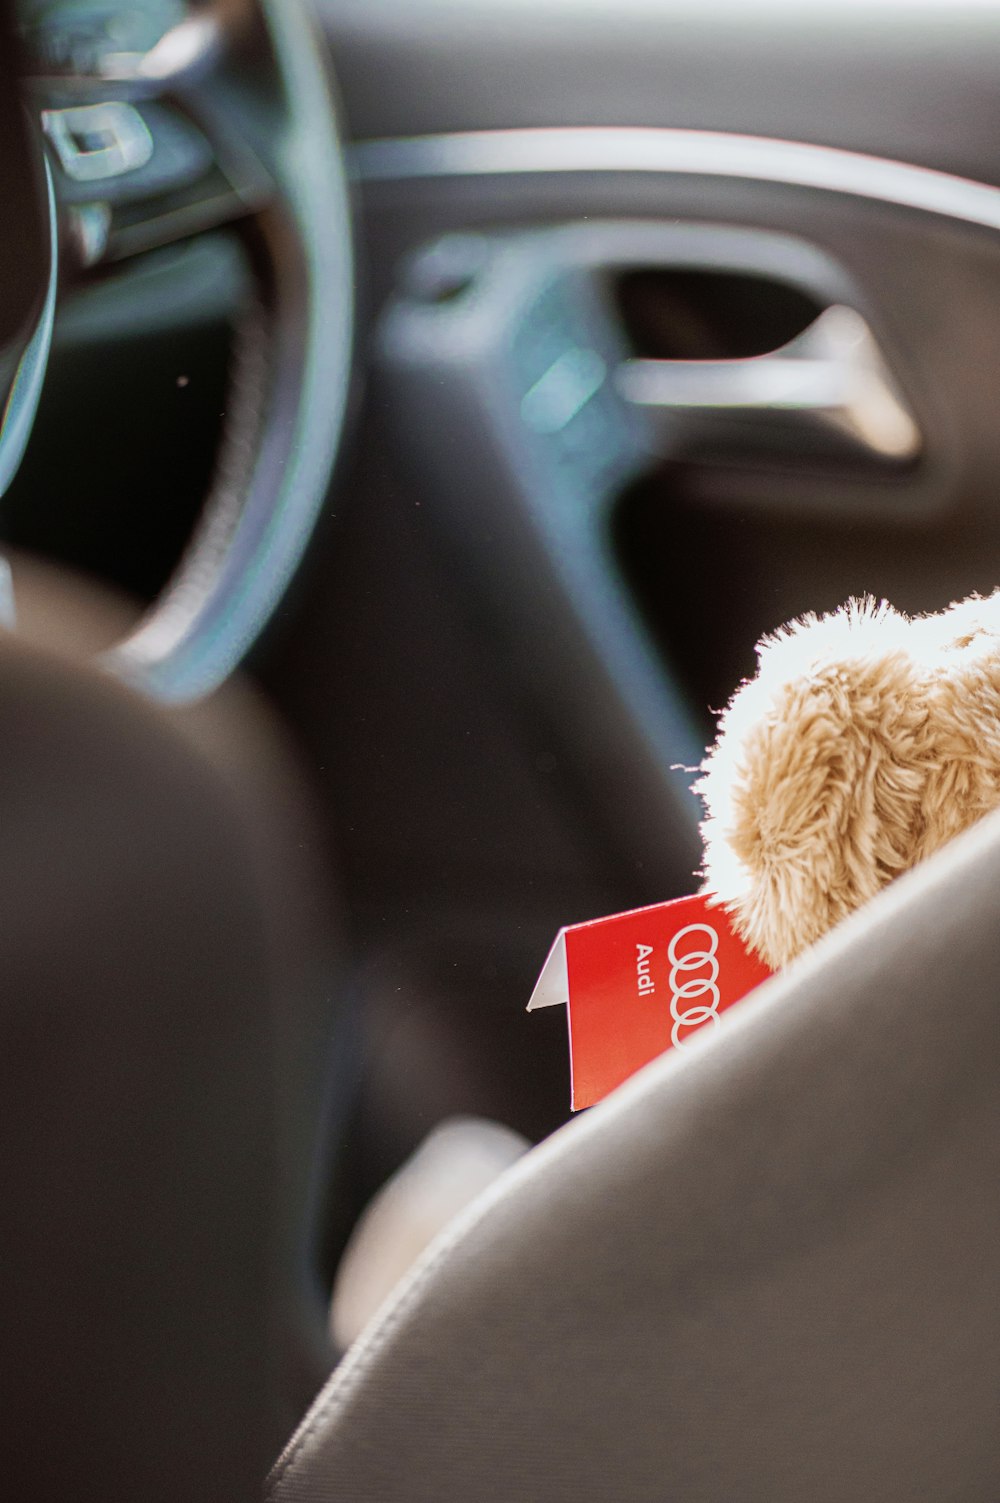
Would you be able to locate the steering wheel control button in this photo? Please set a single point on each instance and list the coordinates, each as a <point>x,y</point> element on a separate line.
<point>82,47</point>
<point>130,177</point>
<point>88,229</point>
<point>637,984</point>
<point>98,142</point>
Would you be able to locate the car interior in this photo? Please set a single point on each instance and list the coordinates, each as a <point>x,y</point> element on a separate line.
<point>413,413</point>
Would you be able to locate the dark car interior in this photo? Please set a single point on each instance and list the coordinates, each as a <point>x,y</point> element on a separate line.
<point>415,410</point>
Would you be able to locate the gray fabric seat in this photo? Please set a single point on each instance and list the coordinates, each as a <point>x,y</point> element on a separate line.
<point>767,1271</point>
<point>164,1034</point>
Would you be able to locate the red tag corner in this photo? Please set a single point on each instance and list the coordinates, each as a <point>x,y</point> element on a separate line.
<point>637,984</point>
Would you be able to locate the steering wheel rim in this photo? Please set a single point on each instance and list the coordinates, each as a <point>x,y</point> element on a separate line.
<point>287,400</point>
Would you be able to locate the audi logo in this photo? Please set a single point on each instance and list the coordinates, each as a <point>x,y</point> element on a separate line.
<point>694,973</point>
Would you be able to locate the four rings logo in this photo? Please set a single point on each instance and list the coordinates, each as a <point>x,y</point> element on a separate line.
<point>638,983</point>
<point>694,974</point>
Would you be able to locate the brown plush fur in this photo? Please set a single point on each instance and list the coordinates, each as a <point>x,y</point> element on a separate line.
<point>866,740</point>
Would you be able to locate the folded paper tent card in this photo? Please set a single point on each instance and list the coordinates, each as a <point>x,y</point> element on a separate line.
<point>639,983</point>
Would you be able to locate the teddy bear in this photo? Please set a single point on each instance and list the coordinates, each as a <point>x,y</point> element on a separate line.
<point>864,742</point>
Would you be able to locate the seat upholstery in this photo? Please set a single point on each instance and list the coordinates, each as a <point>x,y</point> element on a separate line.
<point>152,1018</point>
<point>765,1271</point>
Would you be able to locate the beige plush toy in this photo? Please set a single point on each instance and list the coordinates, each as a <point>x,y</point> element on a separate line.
<point>866,741</point>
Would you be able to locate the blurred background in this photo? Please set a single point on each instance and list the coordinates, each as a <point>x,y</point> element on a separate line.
<point>673,321</point>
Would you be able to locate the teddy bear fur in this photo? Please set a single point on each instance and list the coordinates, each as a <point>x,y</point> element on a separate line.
<point>866,740</point>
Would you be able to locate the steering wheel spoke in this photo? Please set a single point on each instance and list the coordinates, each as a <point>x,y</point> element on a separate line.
<point>149,147</point>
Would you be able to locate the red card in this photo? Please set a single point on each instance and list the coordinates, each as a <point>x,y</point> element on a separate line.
<point>639,983</point>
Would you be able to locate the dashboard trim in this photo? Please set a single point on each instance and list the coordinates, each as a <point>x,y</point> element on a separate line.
<point>655,149</point>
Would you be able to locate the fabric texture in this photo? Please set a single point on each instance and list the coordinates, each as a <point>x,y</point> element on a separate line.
<point>866,740</point>
<point>162,1039</point>
<point>765,1270</point>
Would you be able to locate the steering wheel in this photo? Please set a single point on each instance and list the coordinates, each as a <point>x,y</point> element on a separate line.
<point>249,71</point>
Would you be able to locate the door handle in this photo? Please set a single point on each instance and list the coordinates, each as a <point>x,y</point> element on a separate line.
<point>832,377</point>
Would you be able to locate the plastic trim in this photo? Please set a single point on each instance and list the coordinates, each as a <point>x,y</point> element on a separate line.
<point>688,152</point>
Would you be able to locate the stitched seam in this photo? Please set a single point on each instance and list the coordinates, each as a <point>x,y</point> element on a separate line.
<point>345,1380</point>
